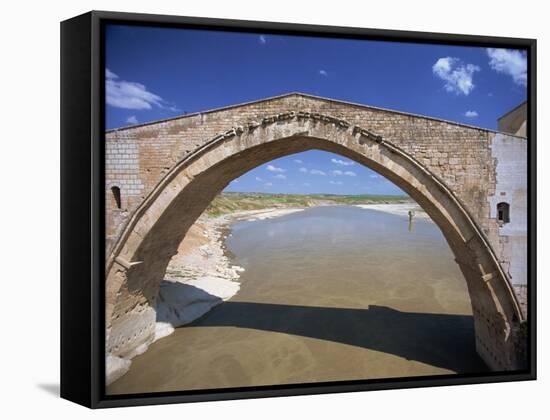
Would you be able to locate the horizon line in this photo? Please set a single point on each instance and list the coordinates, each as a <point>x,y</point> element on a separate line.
<point>315,193</point>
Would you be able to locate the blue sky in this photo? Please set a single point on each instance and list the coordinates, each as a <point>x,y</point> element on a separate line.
<point>314,171</point>
<point>155,73</point>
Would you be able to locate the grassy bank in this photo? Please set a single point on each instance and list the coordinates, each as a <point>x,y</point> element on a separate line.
<point>231,202</point>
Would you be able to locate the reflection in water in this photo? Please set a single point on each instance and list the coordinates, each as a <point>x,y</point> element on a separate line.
<point>330,293</point>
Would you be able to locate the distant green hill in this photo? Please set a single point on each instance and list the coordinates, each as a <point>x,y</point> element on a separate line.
<point>229,202</point>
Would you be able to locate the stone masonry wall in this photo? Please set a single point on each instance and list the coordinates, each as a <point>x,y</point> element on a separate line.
<point>138,157</point>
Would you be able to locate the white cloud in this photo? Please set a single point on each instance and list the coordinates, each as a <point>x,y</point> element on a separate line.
<point>510,62</point>
<point>272,168</point>
<point>110,75</point>
<point>132,119</point>
<point>458,77</point>
<point>323,73</point>
<point>298,161</point>
<point>306,184</point>
<point>129,95</point>
<point>303,169</point>
<point>342,162</point>
<point>262,39</point>
<point>279,176</point>
<point>268,184</point>
<point>373,176</point>
<point>336,182</point>
<point>338,172</point>
<point>259,179</point>
<point>471,114</point>
<point>317,172</point>
<point>235,181</point>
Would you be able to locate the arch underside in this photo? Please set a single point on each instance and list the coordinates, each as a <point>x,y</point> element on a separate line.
<point>139,259</point>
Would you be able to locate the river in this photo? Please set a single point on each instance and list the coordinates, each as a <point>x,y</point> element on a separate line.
<point>329,293</point>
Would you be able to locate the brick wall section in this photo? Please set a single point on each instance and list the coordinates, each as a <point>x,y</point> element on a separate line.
<point>458,154</point>
<point>122,170</point>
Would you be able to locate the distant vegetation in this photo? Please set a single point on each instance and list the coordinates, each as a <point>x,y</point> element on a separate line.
<point>229,202</point>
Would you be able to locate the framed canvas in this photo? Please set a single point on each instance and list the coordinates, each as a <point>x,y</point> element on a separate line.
<point>255,209</point>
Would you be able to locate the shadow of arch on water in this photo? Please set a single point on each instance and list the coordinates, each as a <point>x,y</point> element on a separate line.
<point>441,340</point>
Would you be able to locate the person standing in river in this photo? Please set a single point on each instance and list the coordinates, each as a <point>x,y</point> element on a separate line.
<point>411,216</point>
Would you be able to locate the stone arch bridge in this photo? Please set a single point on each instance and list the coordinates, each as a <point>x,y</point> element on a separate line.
<point>160,177</point>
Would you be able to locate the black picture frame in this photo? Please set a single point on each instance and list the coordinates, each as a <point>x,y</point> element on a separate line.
<point>82,208</point>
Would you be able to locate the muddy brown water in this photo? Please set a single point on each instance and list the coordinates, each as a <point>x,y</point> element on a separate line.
<point>329,294</point>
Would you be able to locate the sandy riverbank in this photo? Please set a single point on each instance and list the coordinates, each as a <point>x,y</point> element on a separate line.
<point>201,276</point>
<point>270,213</point>
<point>401,209</point>
<point>198,277</point>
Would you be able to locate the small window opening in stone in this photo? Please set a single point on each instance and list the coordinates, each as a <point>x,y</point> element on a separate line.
<point>503,213</point>
<point>116,195</point>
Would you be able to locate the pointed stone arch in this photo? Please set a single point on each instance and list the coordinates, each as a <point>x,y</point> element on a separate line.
<point>139,257</point>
